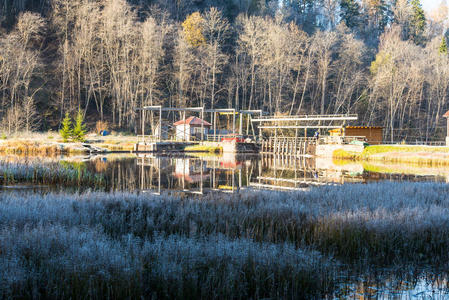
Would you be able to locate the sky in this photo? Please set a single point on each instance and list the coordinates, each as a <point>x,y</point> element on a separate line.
<point>428,5</point>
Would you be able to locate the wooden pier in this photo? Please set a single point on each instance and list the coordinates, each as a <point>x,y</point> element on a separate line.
<point>289,146</point>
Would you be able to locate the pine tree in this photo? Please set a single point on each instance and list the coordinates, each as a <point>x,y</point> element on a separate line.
<point>79,130</point>
<point>418,22</point>
<point>443,46</point>
<point>66,130</point>
<point>350,12</point>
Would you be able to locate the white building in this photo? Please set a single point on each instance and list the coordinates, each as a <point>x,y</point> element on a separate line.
<point>190,129</point>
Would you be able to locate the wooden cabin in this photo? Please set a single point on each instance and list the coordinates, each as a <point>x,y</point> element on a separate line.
<point>190,129</point>
<point>373,134</point>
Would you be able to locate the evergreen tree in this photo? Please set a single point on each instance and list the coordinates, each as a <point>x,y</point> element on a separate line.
<point>350,12</point>
<point>66,130</point>
<point>79,130</point>
<point>418,22</point>
<point>443,46</point>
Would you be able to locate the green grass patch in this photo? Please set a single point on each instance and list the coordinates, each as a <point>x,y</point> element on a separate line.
<point>371,150</point>
<point>343,154</point>
<point>379,169</point>
<point>203,148</point>
<point>398,153</point>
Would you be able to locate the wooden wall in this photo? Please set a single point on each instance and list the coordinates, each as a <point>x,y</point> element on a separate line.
<point>372,134</point>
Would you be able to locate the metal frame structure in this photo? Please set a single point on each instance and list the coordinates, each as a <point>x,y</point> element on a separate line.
<point>161,109</point>
<point>272,122</point>
<point>201,110</point>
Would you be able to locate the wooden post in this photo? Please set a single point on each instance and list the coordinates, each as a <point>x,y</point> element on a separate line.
<point>143,125</point>
<point>275,138</point>
<point>160,124</point>
<point>202,124</point>
<point>241,124</point>
<point>215,126</point>
<point>233,122</point>
<point>184,122</point>
<point>201,183</point>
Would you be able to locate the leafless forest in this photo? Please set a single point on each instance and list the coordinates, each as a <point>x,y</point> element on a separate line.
<point>385,60</point>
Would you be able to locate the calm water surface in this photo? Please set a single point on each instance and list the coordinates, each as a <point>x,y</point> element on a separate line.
<point>230,173</point>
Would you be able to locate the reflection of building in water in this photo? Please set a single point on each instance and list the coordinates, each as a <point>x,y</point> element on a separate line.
<point>191,174</point>
<point>191,170</point>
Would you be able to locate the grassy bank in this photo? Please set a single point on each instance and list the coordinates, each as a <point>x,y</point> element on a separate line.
<point>50,143</point>
<point>258,244</point>
<point>427,155</point>
<point>203,148</point>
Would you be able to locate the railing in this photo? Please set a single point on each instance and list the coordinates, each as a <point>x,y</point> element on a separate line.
<point>310,116</point>
<point>307,117</point>
<point>417,143</point>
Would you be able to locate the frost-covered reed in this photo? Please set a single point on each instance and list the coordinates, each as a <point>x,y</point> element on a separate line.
<point>48,173</point>
<point>58,261</point>
<point>382,224</point>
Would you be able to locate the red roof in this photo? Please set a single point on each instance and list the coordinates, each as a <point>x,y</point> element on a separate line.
<point>192,121</point>
<point>446,115</point>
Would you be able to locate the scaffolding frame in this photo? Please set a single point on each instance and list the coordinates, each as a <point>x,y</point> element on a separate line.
<point>161,109</point>
<point>272,122</point>
<point>199,109</point>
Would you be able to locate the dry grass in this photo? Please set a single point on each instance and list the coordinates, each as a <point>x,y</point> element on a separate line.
<point>50,143</point>
<point>30,147</point>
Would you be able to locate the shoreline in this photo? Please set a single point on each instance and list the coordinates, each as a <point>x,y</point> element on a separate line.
<point>47,144</point>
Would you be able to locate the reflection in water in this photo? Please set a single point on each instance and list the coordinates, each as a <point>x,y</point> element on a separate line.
<point>398,284</point>
<point>192,174</point>
<point>231,173</point>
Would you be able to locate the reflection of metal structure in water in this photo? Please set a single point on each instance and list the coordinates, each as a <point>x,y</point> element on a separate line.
<point>160,169</point>
<point>225,169</point>
<point>191,175</point>
<point>146,182</point>
<point>287,172</point>
<point>284,137</point>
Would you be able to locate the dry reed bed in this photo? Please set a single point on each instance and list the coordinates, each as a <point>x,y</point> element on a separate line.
<point>43,148</point>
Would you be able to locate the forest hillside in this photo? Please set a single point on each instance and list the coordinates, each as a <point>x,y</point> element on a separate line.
<point>386,60</point>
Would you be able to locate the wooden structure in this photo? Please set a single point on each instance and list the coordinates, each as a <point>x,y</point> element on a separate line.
<point>285,136</point>
<point>192,128</point>
<point>289,145</point>
<point>373,134</point>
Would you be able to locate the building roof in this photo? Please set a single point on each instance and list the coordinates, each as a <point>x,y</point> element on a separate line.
<point>356,127</point>
<point>446,115</point>
<point>192,121</point>
<point>365,127</point>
